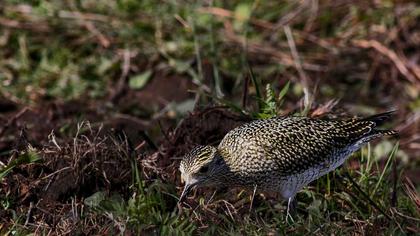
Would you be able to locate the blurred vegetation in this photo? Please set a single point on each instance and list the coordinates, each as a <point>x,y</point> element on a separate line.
<point>258,58</point>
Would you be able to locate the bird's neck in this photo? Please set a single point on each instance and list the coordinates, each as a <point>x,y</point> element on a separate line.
<point>229,174</point>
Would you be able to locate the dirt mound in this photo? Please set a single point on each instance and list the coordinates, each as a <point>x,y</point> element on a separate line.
<point>67,170</point>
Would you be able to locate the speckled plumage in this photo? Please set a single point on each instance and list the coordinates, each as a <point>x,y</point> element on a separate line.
<point>281,154</point>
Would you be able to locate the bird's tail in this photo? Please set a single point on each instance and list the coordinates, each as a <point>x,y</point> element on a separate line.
<point>380,119</point>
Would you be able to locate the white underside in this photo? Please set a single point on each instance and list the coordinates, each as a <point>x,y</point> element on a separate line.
<point>294,183</point>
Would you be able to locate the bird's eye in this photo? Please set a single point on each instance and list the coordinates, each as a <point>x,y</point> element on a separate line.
<point>219,161</point>
<point>204,169</point>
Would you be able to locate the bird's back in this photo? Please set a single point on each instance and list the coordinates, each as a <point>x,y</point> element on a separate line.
<point>266,152</point>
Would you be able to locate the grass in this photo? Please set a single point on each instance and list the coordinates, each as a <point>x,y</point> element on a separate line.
<point>257,58</point>
<point>27,157</point>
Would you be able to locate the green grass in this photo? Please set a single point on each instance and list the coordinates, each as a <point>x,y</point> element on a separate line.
<point>27,157</point>
<point>85,42</point>
<point>145,211</point>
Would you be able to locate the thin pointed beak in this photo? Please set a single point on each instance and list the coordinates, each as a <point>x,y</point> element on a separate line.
<point>190,183</point>
<point>187,189</point>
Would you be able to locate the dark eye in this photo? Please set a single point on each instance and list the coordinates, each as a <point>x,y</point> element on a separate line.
<point>204,169</point>
<point>219,161</point>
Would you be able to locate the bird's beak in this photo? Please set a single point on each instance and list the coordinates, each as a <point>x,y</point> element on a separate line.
<point>189,184</point>
<point>187,189</point>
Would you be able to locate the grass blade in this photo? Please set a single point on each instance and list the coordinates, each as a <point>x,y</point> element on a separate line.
<point>390,158</point>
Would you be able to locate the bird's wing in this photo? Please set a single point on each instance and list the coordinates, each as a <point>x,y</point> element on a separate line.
<point>291,145</point>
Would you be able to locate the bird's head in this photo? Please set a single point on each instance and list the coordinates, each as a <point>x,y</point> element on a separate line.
<point>202,166</point>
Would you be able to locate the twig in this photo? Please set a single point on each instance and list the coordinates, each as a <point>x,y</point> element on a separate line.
<point>104,41</point>
<point>56,172</point>
<point>122,81</point>
<point>408,121</point>
<point>393,210</point>
<point>399,62</point>
<point>252,199</point>
<point>38,26</point>
<point>140,146</point>
<point>182,21</point>
<point>84,16</point>
<point>227,207</point>
<point>298,65</point>
<point>12,120</point>
<point>29,213</point>
<point>245,92</point>
<point>287,18</point>
<point>211,197</point>
<point>411,192</point>
<point>325,108</point>
<point>89,25</point>
<point>313,15</point>
<point>138,121</point>
<point>51,137</point>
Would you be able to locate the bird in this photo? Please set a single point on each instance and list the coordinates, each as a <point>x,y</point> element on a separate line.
<point>280,154</point>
